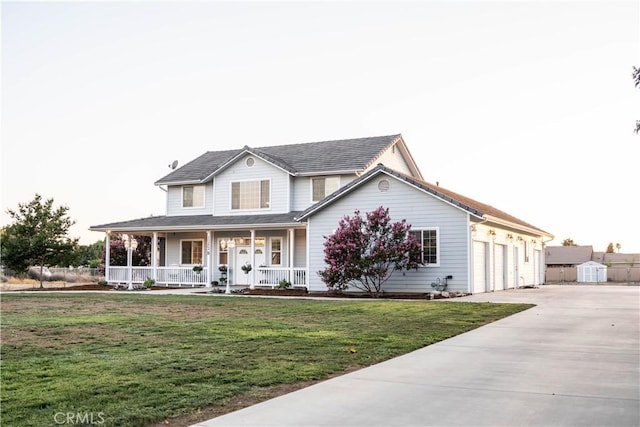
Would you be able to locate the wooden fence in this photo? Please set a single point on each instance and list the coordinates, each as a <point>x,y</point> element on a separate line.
<point>615,274</point>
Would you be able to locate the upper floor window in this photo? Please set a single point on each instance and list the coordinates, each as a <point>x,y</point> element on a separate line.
<point>429,237</point>
<point>251,194</point>
<point>322,187</point>
<point>191,251</point>
<point>193,196</point>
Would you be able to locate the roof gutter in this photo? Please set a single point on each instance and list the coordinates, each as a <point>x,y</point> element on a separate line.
<point>519,226</point>
<point>192,182</point>
<point>199,227</point>
<point>333,172</point>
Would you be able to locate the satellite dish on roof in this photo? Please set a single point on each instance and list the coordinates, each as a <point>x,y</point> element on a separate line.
<point>174,164</point>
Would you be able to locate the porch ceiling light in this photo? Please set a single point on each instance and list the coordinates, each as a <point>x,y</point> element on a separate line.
<point>129,243</point>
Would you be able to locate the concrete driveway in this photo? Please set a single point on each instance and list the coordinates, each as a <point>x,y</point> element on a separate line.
<point>573,360</point>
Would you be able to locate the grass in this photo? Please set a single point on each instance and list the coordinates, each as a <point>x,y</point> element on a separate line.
<point>136,360</point>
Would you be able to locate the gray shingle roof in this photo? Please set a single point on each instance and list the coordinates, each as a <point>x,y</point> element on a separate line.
<point>474,207</point>
<point>306,158</point>
<point>567,255</point>
<point>199,222</point>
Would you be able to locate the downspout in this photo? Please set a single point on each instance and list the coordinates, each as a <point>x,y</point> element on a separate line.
<point>544,260</point>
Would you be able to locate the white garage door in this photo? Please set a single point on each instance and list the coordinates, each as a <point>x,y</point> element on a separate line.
<point>499,266</point>
<point>479,267</point>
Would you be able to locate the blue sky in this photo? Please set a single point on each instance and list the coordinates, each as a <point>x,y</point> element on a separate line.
<point>526,106</point>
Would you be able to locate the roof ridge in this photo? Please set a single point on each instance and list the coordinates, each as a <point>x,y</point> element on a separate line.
<point>330,140</point>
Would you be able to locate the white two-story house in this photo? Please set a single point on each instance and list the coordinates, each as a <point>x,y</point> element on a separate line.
<point>270,208</point>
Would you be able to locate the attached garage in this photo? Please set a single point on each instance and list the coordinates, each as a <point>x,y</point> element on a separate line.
<point>499,266</point>
<point>479,267</point>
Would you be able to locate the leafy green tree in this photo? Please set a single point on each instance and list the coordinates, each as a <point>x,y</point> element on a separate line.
<point>568,242</point>
<point>90,255</point>
<point>610,248</point>
<point>364,252</point>
<point>37,237</point>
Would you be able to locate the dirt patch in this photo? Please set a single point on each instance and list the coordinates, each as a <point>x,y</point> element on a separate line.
<point>418,296</point>
<point>72,287</point>
<point>278,292</point>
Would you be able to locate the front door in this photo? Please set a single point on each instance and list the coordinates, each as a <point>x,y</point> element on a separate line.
<point>243,257</point>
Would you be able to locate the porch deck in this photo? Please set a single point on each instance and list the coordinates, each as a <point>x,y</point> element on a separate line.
<point>186,277</point>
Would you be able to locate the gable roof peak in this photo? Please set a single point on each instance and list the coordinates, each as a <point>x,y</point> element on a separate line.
<point>344,156</point>
<point>473,207</point>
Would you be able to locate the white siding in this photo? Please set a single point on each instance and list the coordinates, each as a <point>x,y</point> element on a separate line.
<point>404,202</point>
<point>392,158</point>
<point>505,257</point>
<point>239,171</point>
<point>174,201</point>
<point>301,196</point>
<point>300,254</point>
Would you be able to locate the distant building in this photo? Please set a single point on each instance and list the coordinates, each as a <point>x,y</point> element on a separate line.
<point>578,264</point>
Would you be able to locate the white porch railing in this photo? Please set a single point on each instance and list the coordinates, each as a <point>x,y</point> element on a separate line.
<point>185,276</point>
<point>178,276</point>
<point>272,276</point>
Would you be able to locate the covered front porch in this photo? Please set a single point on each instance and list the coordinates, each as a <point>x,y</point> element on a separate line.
<point>186,277</point>
<point>233,258</point>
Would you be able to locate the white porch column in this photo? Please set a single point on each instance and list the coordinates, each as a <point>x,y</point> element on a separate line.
<point>154,255</point>
<point>291,251</point>
<point>252,283</point>
<point>107,255</point>
<point>209,258</point>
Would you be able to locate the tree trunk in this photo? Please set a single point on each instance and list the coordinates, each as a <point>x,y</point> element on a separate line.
<point>41,271</point>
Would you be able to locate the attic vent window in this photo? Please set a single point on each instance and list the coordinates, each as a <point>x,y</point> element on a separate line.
<point>383,185</point>
<point>250,161</point>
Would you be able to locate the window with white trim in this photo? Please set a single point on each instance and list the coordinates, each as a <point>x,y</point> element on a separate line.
<point>193,196</point>
<point>250,194</point>
<point>223,253</point>
<point>191,252</point>
<point>430,240</point>
<point>322,187</point>
<point>276,251</point>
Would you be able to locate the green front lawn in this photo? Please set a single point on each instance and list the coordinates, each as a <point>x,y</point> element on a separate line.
<point>139,359</point>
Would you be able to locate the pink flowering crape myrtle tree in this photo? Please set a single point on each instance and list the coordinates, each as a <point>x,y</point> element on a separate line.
<point>364,252</point>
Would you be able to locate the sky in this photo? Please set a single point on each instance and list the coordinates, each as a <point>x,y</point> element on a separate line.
<point>526,106</point>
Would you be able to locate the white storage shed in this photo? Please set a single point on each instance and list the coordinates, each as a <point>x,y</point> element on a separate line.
<point>592,272</point>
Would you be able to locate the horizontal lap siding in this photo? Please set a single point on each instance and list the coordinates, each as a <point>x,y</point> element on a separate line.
<point>301,196</point>
<point>174,202</point>
<point>420,210</point>
<point>392,158</point>
<point>239,171</point>
<point>300,253</point>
